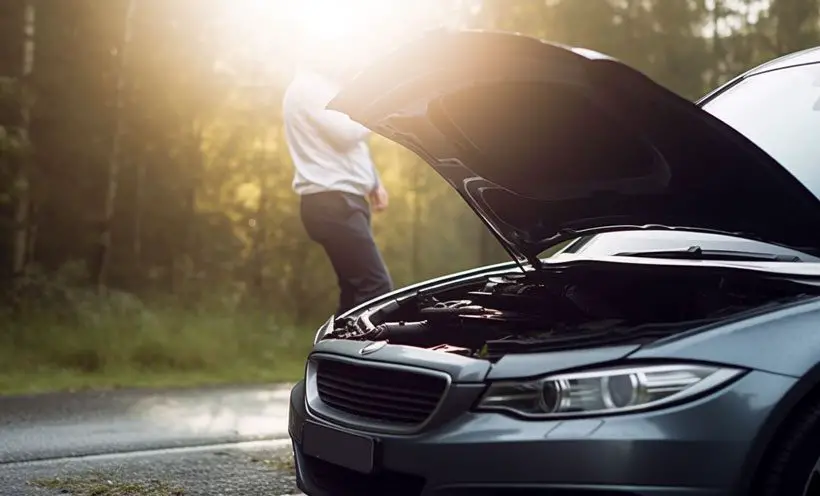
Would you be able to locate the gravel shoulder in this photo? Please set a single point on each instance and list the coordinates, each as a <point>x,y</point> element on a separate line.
<point>248,469</point>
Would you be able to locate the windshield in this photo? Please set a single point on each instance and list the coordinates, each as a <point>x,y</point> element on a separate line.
<point>780,111</point>
<point>641,241</point>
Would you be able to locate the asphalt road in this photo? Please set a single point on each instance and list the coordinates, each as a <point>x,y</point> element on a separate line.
<point>208,441</point>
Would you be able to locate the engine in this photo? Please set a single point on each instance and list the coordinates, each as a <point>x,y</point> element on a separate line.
<point>570,309</point>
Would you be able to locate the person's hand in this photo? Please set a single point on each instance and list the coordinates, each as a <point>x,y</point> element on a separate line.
<point>378,198</point>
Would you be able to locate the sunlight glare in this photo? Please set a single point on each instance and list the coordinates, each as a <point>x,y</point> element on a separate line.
<point>286,26</point>
<point>332,20</point>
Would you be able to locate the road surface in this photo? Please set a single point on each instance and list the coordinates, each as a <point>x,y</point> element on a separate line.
<point>211,441</point>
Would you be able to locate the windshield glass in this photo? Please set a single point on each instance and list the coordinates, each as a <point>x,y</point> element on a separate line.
<point>606,244</point>
<point>780,112</point>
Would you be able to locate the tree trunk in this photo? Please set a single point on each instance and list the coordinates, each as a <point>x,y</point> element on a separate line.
<point>793,19</point>
<point>23,239</point>
<point>259,225</point>
<point>139,196</point>
<point>416,220</point>
<point>116,152</point>
<point>718,54</point>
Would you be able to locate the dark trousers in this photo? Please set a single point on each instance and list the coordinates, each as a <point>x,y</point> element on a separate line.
<point>340,222</point>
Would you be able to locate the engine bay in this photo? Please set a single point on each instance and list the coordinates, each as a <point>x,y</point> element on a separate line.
<point>571,308</point>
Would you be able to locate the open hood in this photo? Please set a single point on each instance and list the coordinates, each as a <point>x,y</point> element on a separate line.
<point>547,143</point>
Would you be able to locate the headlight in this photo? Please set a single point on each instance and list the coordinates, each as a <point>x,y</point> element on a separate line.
<point>605,391</point>
<point>323,329</point>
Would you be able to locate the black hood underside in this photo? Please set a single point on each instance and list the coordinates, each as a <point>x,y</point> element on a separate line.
<point>547,143</point>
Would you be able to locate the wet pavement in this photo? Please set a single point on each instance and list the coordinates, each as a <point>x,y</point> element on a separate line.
<point>89,423</point>
<point>208,441</point>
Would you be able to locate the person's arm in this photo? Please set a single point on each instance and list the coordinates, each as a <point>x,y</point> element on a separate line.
<point>342,132</point>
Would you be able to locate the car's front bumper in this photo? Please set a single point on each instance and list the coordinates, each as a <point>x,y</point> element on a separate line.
<point>699,448</point>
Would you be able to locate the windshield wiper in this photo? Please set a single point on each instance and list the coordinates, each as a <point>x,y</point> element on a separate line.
<point>698,253</point>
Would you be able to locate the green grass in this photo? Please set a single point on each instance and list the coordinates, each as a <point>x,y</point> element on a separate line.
<point>101,486</point>
<point>119,347</point>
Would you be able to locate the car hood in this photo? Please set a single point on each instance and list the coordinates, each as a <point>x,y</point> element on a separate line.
<point>547,143</point>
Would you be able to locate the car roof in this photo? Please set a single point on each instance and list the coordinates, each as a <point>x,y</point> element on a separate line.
<point>803,57</point>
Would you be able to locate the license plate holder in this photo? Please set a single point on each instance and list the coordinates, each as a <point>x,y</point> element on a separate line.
<point>339,447</point>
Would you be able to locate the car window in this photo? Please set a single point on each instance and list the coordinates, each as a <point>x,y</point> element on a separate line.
<point>780,111</point>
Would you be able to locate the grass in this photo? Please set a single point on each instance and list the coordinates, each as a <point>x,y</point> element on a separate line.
<point>124,345</point>
<point>100,486</point>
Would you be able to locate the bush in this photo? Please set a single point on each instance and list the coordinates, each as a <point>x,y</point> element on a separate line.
<point>65,336</point>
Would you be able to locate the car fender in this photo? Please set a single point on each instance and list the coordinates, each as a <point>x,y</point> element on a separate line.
<point>783,341</point>
<point>804,391</point>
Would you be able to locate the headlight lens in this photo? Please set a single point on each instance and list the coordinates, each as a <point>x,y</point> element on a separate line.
<point>605,391</point>
<point>323,329</point>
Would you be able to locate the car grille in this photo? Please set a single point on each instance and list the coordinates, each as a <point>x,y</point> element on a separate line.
<point>379,393</point>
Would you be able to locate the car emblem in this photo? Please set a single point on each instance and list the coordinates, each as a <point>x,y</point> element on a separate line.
<point>372,347</point>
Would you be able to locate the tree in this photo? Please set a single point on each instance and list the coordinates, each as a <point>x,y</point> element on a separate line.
<point>115,157</point>
<point>146,163</point>
<point>24,227</point>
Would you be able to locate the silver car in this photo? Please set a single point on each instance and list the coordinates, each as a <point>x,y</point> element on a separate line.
<point>671,348</point>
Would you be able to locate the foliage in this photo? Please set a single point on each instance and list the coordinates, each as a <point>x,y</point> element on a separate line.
<point>64,335</point>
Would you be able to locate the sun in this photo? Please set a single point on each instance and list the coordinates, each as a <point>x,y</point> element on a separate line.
<point>335,20</point>
<point>282,26</point>
<point>325,20</point>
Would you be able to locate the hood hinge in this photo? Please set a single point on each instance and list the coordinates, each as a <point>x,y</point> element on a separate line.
<point>536,262</point>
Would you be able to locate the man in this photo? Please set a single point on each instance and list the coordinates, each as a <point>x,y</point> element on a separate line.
<point>337,182</point>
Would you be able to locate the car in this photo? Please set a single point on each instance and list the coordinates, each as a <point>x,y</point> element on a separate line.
<point>670,347</point>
